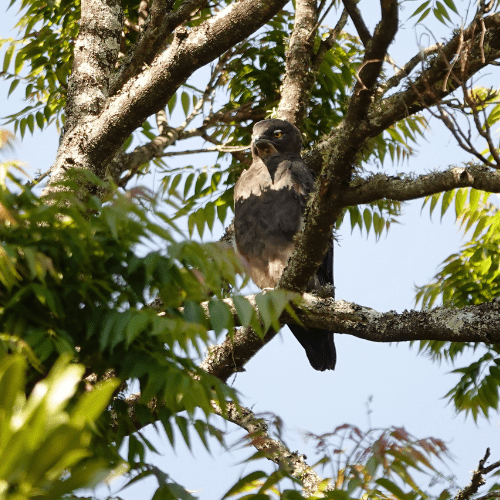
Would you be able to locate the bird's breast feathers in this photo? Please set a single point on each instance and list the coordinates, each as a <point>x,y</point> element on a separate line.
<point>257,179</point>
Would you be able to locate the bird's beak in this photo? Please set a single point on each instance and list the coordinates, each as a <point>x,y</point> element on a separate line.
<point>263,148</point>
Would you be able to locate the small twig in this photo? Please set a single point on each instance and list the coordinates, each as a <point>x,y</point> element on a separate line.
<point>327,43</point>
<point>457,56</point>
<point>358,71</point>
<point>408,68</point>
<point>161,121</point>
<point>485,134</point>
<point>491,494</point>
<point>222,149</point>
<point>463,140</point>
<point>322,5</point>
<point>242,158</point>
<point>481,41</point>
<point>357,19</point>
<point>320,22</point>
<point>37,180</point>
<point>478,480</point>
<point>487,470</point>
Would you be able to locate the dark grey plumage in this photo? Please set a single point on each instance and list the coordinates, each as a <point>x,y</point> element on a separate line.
<point>269,201</point>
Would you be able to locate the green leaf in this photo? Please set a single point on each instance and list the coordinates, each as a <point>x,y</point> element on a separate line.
<point>31,123</point>
<point>244,309</point>
<point>40,120</point>
<point>12,381</point>
<point>419,9</point>
<point>392,488</point>
<point>93,403</point>
<point>221,317</point>
<point>460,198</point>
<point>447,197</point>
<point>13,86</point>
<point>367,218</point>
<point>22,126</point>
<point>494,115</point>
<point>8,57</point>
<point>185,101</point>
<point>442,11</point>
<point>245,483</point>
<point>474,196</point>
<point>188,184</point>
<point>424,15</point>
<point>182,424</point>
<point>451,5</point>
<point>210,215</point>
<point>138,324</point>
<point>164,493</point>
<point>171,104</point>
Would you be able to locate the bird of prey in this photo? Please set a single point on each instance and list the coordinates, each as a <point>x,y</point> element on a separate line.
<point>269,202</point>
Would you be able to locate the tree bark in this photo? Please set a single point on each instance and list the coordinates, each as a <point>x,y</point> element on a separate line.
<point>479,323</point>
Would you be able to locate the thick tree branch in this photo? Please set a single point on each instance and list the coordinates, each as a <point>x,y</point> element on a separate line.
<point>96,50</point>
<point>93,146</point>
<point>339,152</point>
<point>410,188</point>
<point>420,93</point>
<point>160,25</point>
<point>299,79</point>
<point>131,162</point>
<point>375,54</point>
<point>230,356</point>
<point>479,323</point>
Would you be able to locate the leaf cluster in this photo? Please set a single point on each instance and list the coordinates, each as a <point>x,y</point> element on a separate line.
<point>46,438</point>
<point>73,285</point>
<point>383,464</point>
<point>468,277</point>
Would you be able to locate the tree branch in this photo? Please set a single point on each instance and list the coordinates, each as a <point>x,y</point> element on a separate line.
<point>299,79</point>
<point>479,323</point>
<point>160,25</point>
<point>327,43</point>
<point>93,147</point>
<point>419,94</point>
<point>406,188</point>
<point>234,352</point>
<point>366,118</point>
<point>375,54</point>
<point>478,480</point>
<point>272,449</point>
<point>405,71</point>
<point>95,54</point>
<point>427,89</point>
<point>357,19</point>
<point>258,436</point>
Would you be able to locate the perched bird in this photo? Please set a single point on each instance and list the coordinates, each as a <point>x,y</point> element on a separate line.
<point>269,202</point>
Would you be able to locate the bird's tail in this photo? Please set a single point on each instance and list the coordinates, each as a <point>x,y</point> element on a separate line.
<point>319,346</point>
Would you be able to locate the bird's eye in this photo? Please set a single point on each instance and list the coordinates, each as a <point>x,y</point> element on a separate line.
<point>278,134</point>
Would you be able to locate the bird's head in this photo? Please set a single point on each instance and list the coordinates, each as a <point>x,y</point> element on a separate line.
<point>275,137</point>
